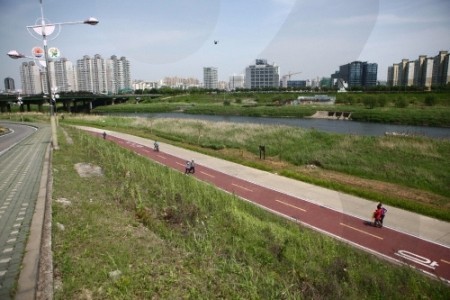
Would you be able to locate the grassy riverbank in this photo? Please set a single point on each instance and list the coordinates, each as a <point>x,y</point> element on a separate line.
<point>413,108</point>
<point>141,231</point>
<point>377,168</point>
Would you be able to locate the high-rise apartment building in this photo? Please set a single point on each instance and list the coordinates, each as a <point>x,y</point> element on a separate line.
<point>63,75</point>
<point>103,76</point>
<point>392,74</point>
<point>9,85</point>
<point>85,74</point>
<point>101,69</point>
<point>418,71</point>
<point>91,74</point>
<point>423,72</point>
<point>440,68</point>
<point>262,75</point>
<point>210,78</point>
<point>31,78</point>
<point>120,79</point>
<point>409,73</point>
<point>427,72</point>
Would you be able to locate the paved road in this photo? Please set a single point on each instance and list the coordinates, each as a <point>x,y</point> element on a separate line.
<point>22,156</point>
<point>419,241</point>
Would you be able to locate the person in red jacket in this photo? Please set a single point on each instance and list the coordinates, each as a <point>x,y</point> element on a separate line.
<point>377,215</point>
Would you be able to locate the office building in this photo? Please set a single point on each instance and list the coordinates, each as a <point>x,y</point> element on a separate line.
<point>262,75</point>
<point>210,78</point>
<point>359,74</point>
<point>9,85</point>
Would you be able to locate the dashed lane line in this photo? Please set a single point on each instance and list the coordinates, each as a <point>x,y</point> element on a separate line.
<point>290,205</point>
<point>241,187</point>
<point>362,231</point>
<point>207,174</point>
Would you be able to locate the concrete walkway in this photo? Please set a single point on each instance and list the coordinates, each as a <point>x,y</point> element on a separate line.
<point>400,220</point>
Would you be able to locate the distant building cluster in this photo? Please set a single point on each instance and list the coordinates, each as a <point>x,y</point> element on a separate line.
<point>90,74</point>
<point>422,72</point>
<point>112,76</point>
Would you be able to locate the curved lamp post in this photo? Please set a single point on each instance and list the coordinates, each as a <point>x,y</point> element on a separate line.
<point>44,29</point>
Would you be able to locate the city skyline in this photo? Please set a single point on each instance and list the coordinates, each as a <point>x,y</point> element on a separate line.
<point>176,38</point>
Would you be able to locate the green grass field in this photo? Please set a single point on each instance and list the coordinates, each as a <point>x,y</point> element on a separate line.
<point>144,231</point>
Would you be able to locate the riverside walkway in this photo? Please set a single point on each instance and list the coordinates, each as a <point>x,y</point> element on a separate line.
<point>409,238</point>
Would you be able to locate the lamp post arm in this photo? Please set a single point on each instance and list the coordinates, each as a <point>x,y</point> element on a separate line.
<point>90,21</point>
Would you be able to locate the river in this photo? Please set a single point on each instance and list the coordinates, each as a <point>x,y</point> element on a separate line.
<point>334,126</point>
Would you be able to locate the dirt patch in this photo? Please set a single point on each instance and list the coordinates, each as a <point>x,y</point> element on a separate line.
<point>88,170</point>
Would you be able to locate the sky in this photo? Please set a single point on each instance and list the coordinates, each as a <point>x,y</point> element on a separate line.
<point>176,37</point>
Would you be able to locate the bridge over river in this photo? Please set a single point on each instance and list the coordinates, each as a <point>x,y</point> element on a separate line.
<point>68,102</point>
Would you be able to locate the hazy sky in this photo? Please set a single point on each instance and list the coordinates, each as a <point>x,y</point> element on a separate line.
<point>176,37</point>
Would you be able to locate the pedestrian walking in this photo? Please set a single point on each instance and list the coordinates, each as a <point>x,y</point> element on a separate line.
<point>188,167</point>
<point>383,213</point>
<point>192,169</point>
<point>377,215</point>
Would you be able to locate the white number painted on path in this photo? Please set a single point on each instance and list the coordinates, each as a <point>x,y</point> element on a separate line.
<point>417,259</point>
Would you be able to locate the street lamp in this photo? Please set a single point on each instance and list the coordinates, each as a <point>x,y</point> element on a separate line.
<point>44,29</point>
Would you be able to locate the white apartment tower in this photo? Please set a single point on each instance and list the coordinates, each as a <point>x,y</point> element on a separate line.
<point>427,72</point>
<point>210,78</point>
<point>120,78</point>
<point>409,73</point>
<point>85,74</point>
<point>30,77</point>
<point>64,75</point>
<point>103,76</point>
<point>100,79</point>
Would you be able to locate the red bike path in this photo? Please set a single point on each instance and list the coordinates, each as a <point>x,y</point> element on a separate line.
<point>431,258</point>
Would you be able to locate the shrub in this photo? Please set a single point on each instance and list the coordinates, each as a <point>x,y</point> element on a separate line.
<point>401,102</point>
<point>430,100</point>
<point>369,102</point>
<point>382,101</point>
